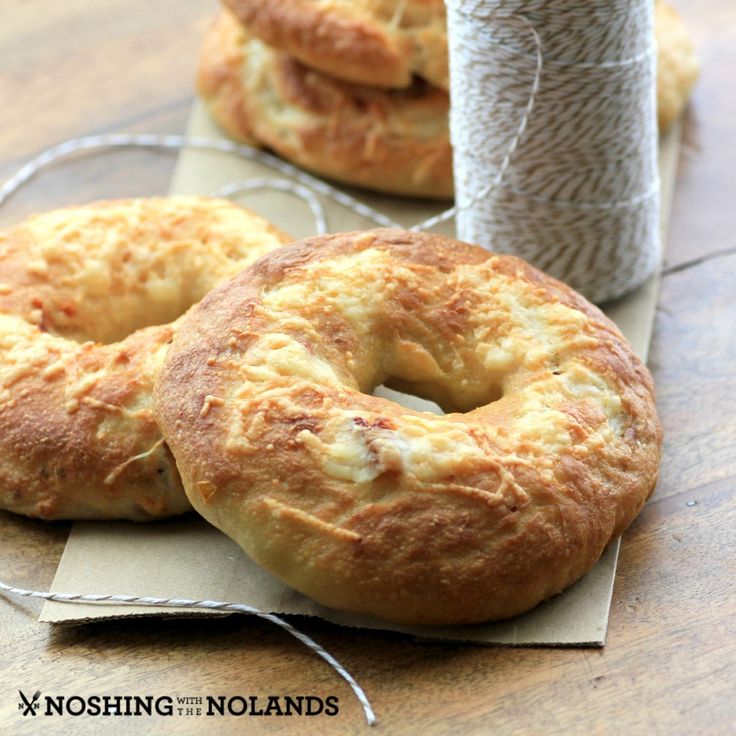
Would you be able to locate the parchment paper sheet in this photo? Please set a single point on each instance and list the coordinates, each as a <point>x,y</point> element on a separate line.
<point>187,558</point>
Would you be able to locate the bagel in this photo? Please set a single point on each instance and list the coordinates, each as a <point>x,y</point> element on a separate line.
<point>394,141</point>
<point>677,65</point>
<point>87,299</point>
<point>379,43</point>
<point>549,451</point>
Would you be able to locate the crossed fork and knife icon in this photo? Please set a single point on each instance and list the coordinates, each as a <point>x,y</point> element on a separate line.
<point>29,706</point>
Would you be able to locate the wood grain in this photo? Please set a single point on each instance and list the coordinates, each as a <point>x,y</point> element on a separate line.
<point>76,68</point>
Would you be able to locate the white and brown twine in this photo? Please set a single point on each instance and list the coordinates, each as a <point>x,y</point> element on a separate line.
<point>579,197</point>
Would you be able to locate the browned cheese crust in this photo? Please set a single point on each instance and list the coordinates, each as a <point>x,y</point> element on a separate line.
<point>391,141</point>
<point>550,448</point>
<point>395,142</point>
<point>87,299</point>
<point>379,43</point>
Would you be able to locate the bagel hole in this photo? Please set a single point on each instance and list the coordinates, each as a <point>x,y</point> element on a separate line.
<point>436,397</point>
<point>409,400</point>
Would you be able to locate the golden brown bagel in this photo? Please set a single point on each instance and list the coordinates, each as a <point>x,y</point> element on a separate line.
<point>550,451</point>
<point>379,43</point>
<point>85,297</point>
<point>391,141</point>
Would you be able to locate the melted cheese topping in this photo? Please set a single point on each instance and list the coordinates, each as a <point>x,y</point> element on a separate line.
<point>512,343</point>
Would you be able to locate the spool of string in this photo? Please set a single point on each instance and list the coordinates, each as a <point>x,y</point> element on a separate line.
<point>578,196</point>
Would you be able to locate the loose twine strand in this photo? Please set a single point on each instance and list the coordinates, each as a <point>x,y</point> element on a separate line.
<point>178,142</point>
<point>304,187</point>
<point>187,603</point>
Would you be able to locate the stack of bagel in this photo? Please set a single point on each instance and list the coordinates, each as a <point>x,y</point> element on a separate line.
<point>357,90</point>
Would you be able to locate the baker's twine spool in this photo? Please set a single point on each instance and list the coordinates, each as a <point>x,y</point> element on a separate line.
<point>578,196</point>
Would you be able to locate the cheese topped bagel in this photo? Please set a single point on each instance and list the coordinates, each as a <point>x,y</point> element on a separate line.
<point>89,297</point>
<point>549,448</point>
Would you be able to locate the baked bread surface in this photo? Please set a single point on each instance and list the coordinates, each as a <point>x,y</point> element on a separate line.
<point>549,448</point>
<point>677,65</point>
<point>379,43</point>
<point>89,296</point>
<point>392,141</point>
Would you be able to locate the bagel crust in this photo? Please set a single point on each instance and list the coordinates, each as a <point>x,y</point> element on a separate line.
<point>394,142</point>
<point>549,450</point>
<point>380,43</point>
<point>87,299</point>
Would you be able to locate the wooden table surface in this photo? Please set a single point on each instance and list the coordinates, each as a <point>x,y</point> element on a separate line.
<point>669,666</point>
